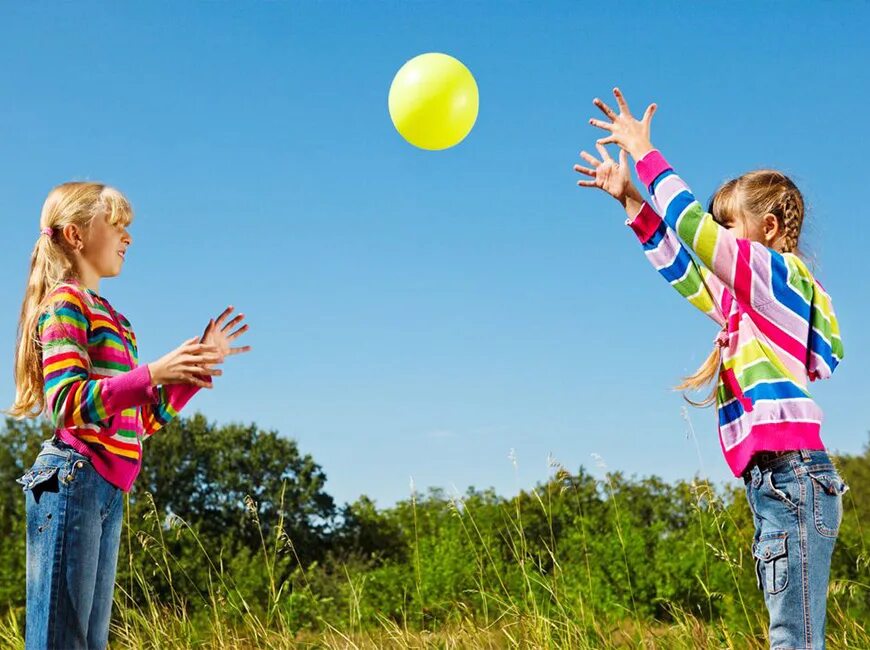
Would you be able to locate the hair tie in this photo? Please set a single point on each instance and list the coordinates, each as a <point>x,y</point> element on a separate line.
<point>722,338</point>
<point>48,231</point>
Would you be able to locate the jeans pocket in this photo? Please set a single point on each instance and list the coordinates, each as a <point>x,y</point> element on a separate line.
<point>828,491</point>
<point>37,476</point>
<point>771,561</point>
<point>783,490</point>
<point>39,480</point>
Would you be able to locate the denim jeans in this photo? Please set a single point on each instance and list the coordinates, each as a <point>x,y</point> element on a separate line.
<point>73,535</point>
<point>797,505</point>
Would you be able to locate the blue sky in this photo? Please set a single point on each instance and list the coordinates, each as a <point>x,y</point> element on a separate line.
<point>420,314</point>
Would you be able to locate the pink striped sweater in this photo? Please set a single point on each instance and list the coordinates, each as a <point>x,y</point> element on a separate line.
<point>779,330</point>
<point>99,399</point>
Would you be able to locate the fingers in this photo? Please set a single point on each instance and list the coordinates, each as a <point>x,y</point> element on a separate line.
<point>240,350</point>
<point>235,321</point>
<point>605,155</point>
<point>601,125</point>
<point>207,371</point>
<point>620,100</point>
<point>238,332</point>
<point>207,331</point>
<point>584,170</point>
<point>623,158</point>
<point>199,348</point>
<point>224,314</point>
<point>587,184</point>
<point>588,157</point>
<point>609,112</point>
<point>196,359</point>
<point>648,114</point>
<point>611,139</point>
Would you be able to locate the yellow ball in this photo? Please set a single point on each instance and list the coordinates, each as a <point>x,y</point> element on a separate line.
<point>433,101</point>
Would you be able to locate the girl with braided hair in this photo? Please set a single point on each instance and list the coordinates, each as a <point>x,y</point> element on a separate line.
<point>778,333</point>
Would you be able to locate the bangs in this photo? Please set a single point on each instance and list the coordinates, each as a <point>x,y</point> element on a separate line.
<point>118,210</point>
<point>723,205</point>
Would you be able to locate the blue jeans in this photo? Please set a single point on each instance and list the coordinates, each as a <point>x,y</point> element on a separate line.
<point>797,505</point>
<point>73,535</point>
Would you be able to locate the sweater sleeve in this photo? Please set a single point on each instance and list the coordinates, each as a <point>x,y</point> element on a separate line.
<point>675,264</point>
<point>825,349</point>
<point>169,401</point>
<point>752,272</point>
<point>72,398</point>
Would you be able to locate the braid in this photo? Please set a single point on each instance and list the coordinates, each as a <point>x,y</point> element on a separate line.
<point>791,206</point>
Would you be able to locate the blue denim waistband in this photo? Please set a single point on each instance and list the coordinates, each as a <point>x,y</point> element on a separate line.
<point>57,447</point>
<point>780,460</point>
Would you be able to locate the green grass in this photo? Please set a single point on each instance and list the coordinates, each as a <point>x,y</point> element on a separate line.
<point>525,593</point>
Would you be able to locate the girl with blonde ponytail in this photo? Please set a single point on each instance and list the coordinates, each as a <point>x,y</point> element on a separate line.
<point>778,332</point>
<point>761,192</point>
<point>76,362</point>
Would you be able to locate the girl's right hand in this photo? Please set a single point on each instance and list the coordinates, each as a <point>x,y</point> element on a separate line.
<point>608,175</point>
<point>190,363</point>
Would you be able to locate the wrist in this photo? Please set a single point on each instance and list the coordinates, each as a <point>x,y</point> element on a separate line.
<point>152,372</point>
<point>630,195</point>
<point>639,150</point>
<point>632,206</point>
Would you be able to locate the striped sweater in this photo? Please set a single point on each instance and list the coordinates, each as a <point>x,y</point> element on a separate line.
<point>779,330</point>
<point>98,398</point>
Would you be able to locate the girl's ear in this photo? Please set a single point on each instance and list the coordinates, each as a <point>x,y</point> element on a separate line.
<point>771,228</point>
<point>73,236</point>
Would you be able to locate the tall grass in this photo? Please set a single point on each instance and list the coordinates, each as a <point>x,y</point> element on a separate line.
<point>530,599</point>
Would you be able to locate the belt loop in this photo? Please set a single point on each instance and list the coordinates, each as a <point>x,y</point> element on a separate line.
<point>755,473</point>
<point>805,455</point>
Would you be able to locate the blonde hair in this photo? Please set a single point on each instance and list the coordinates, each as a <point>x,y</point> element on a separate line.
<point>52,263</point>
<point>750,197</point>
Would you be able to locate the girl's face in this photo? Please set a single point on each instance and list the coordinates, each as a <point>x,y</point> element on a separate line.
<point>764,231</point>
<point>743,229</point>
<point>104,248</point>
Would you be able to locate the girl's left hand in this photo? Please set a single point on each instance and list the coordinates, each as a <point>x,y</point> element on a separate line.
<point>607,174</point>
<point>626,131</point>
<point>218,334</point>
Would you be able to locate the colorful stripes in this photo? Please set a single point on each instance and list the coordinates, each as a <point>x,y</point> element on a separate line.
<point>782,330</point>
<point>672,260</point>
<point>97,396</point>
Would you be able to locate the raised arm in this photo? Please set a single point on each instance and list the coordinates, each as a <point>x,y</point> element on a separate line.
<point>751,271</point>
<point>754,273</point>
<point>672,260</point>
<point>662,246</point>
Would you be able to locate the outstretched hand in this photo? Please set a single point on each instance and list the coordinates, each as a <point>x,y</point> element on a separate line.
<point>218,334</point>
<point>629,133</point>
<point>607,174</point>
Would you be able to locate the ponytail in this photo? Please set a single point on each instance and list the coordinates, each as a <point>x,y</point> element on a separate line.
<point>754,193</point>
<point>53,262</point>
<point>708,371</point>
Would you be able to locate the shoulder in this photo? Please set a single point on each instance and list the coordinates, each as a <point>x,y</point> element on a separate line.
<point>66,312</point>
<point>69,298</point>
<point>798,268</point>
<point>799,275</point>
